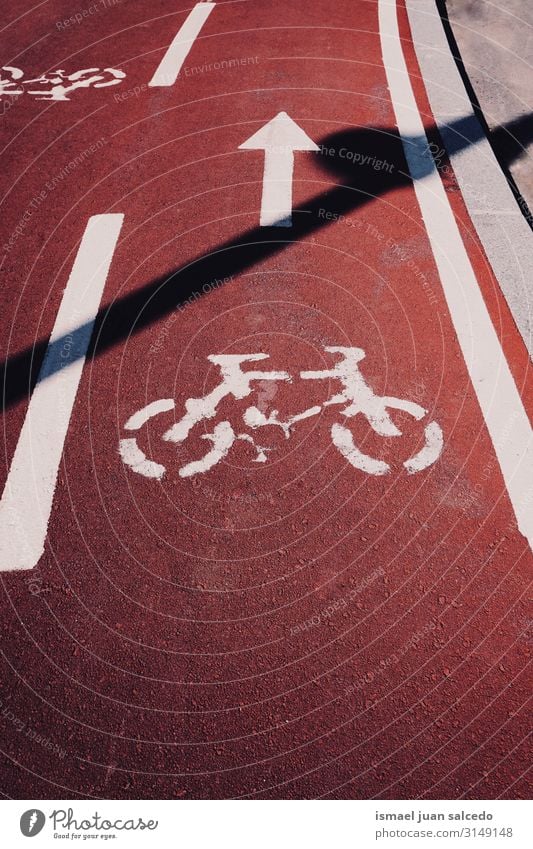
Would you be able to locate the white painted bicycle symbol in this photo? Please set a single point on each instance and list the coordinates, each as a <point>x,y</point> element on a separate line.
<point>356,398</point>
<point>56,85</point>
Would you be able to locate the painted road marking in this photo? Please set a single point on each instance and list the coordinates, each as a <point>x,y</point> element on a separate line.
<point>55,85</point>
<point>172,62</point>
<point>28,494</point>
<point>279,139</point>
<point>496,391</point>
<point>131,454</point>
<point>356,398</point>
<point>501,225</point>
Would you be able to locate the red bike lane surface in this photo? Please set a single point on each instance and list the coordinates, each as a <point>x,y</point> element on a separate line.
<point>292,628</point>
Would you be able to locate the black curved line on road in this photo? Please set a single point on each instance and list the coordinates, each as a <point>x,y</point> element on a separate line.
<point>357,185</point>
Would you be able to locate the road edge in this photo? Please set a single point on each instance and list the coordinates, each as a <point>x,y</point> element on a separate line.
<point>503,231</point>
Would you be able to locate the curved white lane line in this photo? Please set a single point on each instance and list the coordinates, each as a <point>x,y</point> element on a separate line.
<point>495,388</point>
<point>501,226</point>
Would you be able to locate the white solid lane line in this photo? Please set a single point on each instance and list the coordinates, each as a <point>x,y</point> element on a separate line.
<point>29,491</point>
<point>496,391</point>
<point>172,62</point>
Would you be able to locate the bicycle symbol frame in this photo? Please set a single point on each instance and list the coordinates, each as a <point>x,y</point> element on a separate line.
<point>356,397</point>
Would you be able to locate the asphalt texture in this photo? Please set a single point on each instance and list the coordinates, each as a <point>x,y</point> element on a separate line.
<point>295,628</point>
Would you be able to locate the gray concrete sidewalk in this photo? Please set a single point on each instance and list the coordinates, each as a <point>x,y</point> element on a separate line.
<point>495,41</point>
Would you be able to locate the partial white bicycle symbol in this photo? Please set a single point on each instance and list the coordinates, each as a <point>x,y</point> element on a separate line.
<point>56,85</point>
<point>355,398</point>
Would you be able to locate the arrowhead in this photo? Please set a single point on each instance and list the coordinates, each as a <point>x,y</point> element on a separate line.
<point>281,133</point>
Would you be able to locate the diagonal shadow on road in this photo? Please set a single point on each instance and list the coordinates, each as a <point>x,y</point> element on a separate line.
<point>354,186</point>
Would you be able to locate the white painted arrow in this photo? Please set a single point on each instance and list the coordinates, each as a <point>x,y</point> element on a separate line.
<point>279,139</point>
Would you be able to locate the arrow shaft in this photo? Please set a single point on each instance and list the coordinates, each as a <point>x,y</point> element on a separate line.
<point>276,202</point>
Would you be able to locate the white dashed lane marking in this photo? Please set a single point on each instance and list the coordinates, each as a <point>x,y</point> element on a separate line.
<point>29,491</point>
<point>172,62</point>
